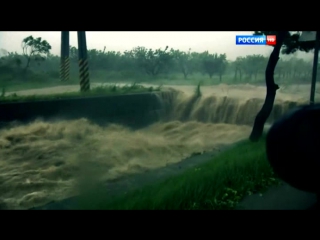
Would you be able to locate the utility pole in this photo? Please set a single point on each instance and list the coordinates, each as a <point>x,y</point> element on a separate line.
<point>65,61</point>
<point>83,62</point>
<point>315,68</point>
<point>83,59</point>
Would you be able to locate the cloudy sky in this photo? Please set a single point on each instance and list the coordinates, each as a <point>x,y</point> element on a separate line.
<point>214,42</point>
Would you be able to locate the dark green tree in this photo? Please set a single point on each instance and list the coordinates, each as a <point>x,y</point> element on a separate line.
<point>214,64</point>
<point>183,61</point>
<point>238,66</point>
<point>73,54</point>
<point>152,62</point>
<point>253,65</point>
<point>34,48</point>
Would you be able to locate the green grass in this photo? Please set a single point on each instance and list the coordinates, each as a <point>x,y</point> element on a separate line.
<point>26,85</point>
<point>39,80</point>
<point>97,91</point>
<point>218,184</point>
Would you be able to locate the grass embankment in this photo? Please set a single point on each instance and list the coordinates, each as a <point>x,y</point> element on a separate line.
<point>97,91</point>
<point>218,184</point>
<point>43,81</point>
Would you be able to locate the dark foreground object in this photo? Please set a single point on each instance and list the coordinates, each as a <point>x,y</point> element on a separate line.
<point>135,110</point>
<point>293,147</point>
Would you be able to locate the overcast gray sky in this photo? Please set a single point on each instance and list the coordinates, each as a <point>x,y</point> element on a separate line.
<point>214,42</point>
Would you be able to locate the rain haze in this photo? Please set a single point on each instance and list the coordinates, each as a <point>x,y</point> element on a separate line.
<point>73,127</point>
<point>214,42</point>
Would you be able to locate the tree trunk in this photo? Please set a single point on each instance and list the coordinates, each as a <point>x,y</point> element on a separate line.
<point>185,75</point>
<point>272,88</point>
<point>28,63</point>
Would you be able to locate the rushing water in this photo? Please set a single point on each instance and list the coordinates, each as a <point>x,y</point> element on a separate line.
<point>44,161</point>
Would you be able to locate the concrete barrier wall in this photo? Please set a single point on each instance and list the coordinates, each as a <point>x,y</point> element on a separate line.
<point>135,110</point>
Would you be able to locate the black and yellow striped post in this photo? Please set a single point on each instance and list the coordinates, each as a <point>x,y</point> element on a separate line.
<point>83,62</point>
<point>64,64</point>
<point>62,57</point>
<point>67,68</point>
<point>62,69</point>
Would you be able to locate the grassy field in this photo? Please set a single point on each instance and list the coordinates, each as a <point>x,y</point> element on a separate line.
<point>35,84</point>
<point>42,81</point>
<point>20,86</point>
<point>97,91</point>
<point>219,184</point>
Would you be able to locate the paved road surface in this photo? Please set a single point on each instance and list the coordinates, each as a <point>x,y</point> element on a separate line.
<point>283,197</point>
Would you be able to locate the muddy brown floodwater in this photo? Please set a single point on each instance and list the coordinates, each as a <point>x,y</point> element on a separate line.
<point>43,161</point>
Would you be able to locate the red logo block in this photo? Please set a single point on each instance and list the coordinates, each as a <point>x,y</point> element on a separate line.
<point>271,40</point>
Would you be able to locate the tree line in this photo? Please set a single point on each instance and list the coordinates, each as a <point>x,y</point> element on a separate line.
<point>152,63</point>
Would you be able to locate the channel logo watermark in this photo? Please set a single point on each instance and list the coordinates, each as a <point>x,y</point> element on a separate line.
<point>269,40</point>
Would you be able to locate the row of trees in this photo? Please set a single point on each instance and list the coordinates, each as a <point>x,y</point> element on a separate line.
<point>36,57</point>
